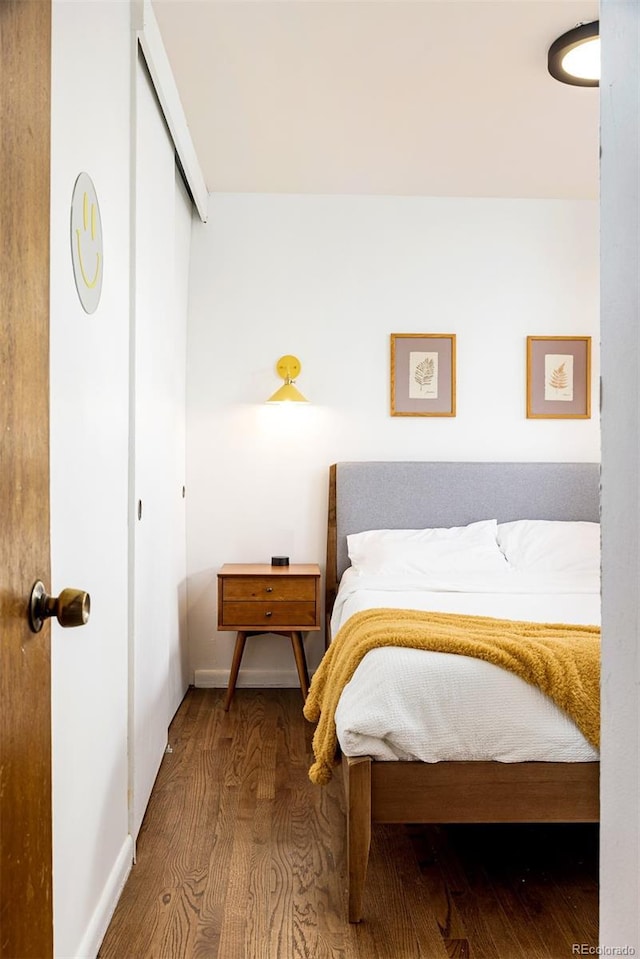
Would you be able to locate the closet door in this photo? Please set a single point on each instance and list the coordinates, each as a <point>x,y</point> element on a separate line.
<point>179,664</point>
<point>158,404</point>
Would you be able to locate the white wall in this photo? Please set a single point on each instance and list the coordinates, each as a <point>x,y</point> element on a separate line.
<point>620,829</point>
<point>93,439</point>
<point>328,279</point>
<point>91,72</point>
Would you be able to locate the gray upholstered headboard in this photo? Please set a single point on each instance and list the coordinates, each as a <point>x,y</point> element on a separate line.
<point>417,495</point>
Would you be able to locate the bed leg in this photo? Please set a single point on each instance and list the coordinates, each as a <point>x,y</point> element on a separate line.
<point>357,782</point>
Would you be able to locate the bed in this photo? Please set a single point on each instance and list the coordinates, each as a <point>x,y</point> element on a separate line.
<point>365,496</point>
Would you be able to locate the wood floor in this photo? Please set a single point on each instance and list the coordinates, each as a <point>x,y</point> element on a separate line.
<point>240,856</point>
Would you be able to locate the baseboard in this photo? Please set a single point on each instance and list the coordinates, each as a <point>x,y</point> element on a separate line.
<point>255,678</point>
<point>103,913</point>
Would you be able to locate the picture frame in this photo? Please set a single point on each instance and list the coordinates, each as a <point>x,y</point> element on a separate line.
<point>423,374</point>
<point>559,377</point>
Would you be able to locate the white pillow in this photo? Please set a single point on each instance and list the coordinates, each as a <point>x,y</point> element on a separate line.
<point>459,549</point>
<point>551,546</point>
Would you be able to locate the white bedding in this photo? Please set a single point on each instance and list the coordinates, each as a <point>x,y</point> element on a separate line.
<point>407,704</point>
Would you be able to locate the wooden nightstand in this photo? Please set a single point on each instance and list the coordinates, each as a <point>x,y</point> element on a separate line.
<point>256,598</point>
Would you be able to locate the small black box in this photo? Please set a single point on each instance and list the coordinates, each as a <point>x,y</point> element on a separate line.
<point>279,560</point>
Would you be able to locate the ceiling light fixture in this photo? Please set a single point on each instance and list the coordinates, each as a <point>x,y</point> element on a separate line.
<point>575,56</point>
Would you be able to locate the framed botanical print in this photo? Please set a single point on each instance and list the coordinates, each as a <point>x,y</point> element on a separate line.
<point>558,377</point>
<point>423,374</point>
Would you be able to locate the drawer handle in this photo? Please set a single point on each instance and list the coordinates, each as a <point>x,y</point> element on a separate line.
<point>268,589</point>
<point>269,613</point>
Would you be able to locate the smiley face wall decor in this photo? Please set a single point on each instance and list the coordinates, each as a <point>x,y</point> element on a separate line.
<point>86,242</point>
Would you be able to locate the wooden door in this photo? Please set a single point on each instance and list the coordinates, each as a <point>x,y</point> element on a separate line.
<point>26,924</point>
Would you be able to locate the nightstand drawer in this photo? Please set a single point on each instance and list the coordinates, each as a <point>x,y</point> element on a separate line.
<point>257,614</point>
<point>272,589</point>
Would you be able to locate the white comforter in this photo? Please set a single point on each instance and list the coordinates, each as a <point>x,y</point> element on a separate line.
<point>412,704</point>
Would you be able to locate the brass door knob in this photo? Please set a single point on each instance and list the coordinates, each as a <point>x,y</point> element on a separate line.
<point>71,607</point>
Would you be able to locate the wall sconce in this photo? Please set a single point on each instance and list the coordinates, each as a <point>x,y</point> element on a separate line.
<point>575,56</point>
<point>288,368</point>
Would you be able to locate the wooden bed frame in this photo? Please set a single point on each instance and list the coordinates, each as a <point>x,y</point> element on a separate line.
<point>449,792</point>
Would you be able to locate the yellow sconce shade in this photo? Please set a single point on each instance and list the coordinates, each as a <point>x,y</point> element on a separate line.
<point>288,368</point>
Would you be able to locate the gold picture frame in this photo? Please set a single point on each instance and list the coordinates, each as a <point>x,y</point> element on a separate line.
<point>559,377</point>
<point>423,374</point>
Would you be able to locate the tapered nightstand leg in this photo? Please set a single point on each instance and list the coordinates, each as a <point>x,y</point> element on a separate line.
<point>301,662</point>
<point>235,668</point>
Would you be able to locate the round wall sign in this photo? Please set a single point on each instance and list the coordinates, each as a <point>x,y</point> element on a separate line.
<point>86,242</point>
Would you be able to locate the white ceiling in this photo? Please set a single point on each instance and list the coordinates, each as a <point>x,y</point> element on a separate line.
<point>428,97</point>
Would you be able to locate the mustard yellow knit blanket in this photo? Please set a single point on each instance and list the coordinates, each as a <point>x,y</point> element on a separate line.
<point>561,660</point>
